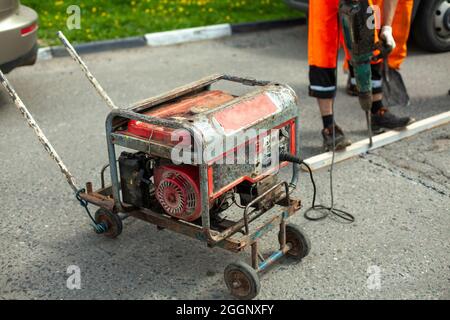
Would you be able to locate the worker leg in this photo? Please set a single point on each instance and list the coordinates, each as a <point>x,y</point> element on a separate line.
<point>377,80</point>
<point>377,87</point>
<point>382,118</point>
<point>401,29</point>
<point>323,46</point>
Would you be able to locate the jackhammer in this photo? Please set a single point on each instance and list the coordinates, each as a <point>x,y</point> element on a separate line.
<point>358,24</point>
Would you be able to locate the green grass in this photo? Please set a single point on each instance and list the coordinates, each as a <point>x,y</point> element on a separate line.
<point>111,19</point>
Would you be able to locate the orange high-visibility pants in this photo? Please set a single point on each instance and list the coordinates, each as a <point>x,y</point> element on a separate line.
<point>401,28</point>
<point>324,41</point>
<point>323,46</point>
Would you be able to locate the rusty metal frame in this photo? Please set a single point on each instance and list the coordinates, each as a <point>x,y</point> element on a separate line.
<point>103,198</point>
<point>194,87</point>
<point>110,197</point>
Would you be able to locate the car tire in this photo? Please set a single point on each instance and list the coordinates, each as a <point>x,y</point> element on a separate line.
<point>425,30</point>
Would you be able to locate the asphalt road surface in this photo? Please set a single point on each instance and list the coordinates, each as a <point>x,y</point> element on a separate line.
<point>398,248</point>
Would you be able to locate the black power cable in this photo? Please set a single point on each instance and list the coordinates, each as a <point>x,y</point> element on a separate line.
<point>324,210</point>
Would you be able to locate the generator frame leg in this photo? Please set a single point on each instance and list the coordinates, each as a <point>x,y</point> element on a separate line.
<point>275,256</point>
<point>255,256</point>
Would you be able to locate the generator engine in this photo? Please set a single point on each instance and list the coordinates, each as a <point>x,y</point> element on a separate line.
<point>178,191</point>
<point>240,140</point>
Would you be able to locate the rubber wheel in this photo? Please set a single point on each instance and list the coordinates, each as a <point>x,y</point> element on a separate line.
<point>424,28</point>
<point>112,220</point>
<point>242,281</point>
<point>296,237</point>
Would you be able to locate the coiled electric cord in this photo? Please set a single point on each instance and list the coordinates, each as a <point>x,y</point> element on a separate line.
<point>324,211</point>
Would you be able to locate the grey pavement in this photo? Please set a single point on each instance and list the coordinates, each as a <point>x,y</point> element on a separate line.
<point>399,194</point>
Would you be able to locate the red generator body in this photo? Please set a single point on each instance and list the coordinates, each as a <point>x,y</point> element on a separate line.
<point>243,134</point>
<point>203,162</point>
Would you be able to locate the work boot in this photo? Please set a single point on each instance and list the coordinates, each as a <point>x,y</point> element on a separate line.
<point>352,89</point>
<point>341,140</point>
<point>384,119</point>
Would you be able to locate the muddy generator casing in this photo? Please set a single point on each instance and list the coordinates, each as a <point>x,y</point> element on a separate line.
<point>193,148</point>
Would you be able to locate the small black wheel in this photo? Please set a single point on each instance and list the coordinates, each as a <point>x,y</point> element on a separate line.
<point>111,220</point>
<point>300,243</point>
<point>242,280</point>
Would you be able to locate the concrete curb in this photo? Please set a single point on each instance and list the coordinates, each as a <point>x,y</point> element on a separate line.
<point>266,25</point>
<point>188,35</point>
<point>169,37</point>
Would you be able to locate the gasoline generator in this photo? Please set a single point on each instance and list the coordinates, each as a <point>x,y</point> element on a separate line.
<point>204,163</point>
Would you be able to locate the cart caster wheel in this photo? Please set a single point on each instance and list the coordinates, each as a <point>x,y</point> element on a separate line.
<point>300,243</point>
<point>111,220</point>
<point>242,280</point>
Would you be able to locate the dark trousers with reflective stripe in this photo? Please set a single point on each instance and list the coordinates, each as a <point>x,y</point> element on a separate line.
<point>323,81</point>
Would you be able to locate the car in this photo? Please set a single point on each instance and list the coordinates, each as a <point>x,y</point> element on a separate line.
<point>430,26</point>
<point>18,35</point>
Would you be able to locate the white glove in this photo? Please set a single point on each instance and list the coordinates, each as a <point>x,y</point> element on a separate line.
<point>386,35</point>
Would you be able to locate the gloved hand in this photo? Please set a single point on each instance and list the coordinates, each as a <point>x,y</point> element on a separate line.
<point>387,37</point>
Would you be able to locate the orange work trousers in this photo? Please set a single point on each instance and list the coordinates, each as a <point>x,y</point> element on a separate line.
<point>401,28</point>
